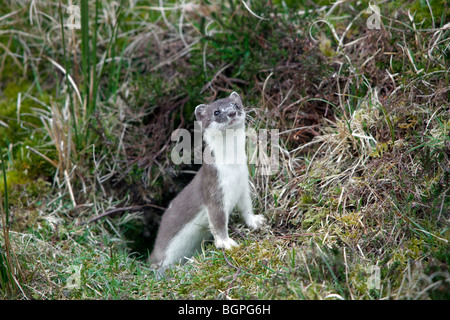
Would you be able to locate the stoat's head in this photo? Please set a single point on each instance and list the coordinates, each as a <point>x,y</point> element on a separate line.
<point>227,113</point>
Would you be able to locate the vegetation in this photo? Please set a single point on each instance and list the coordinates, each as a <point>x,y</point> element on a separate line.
<point>89,97</point>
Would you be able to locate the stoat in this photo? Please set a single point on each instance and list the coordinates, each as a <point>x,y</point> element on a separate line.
<point>204,206</point>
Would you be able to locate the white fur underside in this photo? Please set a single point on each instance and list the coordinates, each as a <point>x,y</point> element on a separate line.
<point>233,179</point>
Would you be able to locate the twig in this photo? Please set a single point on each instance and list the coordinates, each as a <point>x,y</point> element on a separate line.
<point>251,12</point>
<point>229,263</point>
<point>69,186</point>
<point>238,271</point>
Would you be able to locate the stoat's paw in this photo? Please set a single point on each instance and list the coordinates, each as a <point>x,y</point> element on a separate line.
<point>226,243</point>
<point>255,221</point>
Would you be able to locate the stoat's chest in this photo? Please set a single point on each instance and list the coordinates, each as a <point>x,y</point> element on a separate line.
<point>232,176</point>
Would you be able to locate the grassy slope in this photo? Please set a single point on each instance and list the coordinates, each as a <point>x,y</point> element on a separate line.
<point>363,116</point>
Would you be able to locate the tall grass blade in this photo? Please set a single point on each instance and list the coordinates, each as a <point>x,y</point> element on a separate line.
<point>92,84</point>
<point>9,265</point>
<point>6,204</point>
<point>5,273</point>
<point>94,79</point>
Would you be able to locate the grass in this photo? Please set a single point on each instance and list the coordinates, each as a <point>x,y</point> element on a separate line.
<point>357,210</point>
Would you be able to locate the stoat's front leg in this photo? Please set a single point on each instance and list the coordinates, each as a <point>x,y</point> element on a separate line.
<point>244,205</point>
<point>218,222</point>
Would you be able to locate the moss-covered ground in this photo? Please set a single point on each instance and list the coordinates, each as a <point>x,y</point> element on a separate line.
<point>357,209</point>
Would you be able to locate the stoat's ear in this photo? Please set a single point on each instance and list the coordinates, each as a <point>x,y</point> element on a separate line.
<point>200,111</point>
<point>235,97</point>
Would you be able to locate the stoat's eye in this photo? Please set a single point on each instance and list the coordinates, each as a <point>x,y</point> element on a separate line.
<point>217,112</point>
<point>235,105</point>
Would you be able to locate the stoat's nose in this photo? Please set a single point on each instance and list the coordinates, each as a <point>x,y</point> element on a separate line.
<point>232,114</point>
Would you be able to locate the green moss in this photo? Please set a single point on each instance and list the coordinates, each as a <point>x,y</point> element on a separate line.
<point>326,47</point>
<point>307,198</point>
<point>22,128</point>
<point>439,8</point>
<point>13,178</point>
